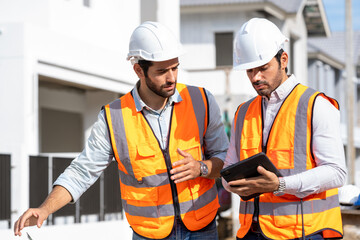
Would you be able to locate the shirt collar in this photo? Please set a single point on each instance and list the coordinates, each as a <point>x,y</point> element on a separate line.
<point>139,103</point>
<point>284,89</point>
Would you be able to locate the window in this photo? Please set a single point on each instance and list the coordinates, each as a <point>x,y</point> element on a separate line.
<point>61,131</point>
<point>224,48</point>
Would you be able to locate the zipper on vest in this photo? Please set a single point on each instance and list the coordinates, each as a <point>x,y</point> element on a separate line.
<point>172,184</point>
<point>166,155</point>
<point>256,209</point>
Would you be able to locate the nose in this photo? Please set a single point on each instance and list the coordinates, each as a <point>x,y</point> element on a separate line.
<point>171,75</point>
<point>255,75</point>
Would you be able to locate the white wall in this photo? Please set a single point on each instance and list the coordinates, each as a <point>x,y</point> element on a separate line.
<point>61,39</point>
<point>168,13</point>
<point>14,103</point>
<point>34,11</point>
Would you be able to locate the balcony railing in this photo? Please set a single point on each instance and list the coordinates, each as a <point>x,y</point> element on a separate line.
<point>5,188</point>
<point>100,202</point>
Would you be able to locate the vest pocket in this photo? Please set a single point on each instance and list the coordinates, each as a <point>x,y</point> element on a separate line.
<point>289,215</point>
<point>141,194</point>
<point>250,146</point>
<point>144,151</point>
<point>282,158</point>
<point>142,203</point>
<point>195,152</point>
<point>148,161</point>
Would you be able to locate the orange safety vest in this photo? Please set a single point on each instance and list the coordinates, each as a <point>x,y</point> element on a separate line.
<point>150,199</point>
<point>289,148</point>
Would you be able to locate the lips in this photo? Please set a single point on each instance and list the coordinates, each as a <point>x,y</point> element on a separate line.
<point>259,85</point>
<point>169,87</point>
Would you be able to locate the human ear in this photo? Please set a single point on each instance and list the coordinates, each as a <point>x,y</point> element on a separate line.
<point>284,60</point>
<point>138,70</point>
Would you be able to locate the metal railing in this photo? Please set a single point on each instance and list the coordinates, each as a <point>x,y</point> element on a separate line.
<point>5,188</point>
<point>102,198</point>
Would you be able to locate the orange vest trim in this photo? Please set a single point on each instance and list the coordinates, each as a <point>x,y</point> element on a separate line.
<point>147,194</point>
<point>281,217</point>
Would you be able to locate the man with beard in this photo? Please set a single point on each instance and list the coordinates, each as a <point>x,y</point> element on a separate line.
<point>168,141</point>
<point>298,128</point>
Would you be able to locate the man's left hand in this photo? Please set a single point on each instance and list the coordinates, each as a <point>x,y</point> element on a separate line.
<point>266,182</point>
<point>186,168</point>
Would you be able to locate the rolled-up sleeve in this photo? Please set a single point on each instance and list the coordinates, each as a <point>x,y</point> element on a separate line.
<point>216,141</point>
<point>85,169</point>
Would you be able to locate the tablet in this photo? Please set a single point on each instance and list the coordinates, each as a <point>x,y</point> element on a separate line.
<point>247,168</point>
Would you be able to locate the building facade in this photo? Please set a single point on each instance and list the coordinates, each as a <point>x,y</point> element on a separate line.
<point>60,61</point>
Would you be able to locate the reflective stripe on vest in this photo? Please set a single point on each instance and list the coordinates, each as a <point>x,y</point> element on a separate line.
<point>144,180</point>
<point>292,208</point>
<point>289,148</point>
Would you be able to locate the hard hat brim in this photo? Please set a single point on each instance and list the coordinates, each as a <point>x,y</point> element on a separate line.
<point>251,65</point>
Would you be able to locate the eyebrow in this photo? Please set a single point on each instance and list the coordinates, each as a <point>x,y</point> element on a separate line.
<point>167,69</point>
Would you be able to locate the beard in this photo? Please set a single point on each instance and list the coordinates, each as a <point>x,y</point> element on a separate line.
<point>264,91</point>
<point>278,79</point>
<point>159,90</point>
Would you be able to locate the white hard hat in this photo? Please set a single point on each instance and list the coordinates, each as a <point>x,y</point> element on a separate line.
<point>256,43</point>
<point>348,194</point>
<point>153,41</point>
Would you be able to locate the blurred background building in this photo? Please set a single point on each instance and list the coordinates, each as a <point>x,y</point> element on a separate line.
<point>61,60</point>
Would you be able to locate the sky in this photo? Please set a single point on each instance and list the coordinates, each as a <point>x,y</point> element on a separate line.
<point>335,12</point>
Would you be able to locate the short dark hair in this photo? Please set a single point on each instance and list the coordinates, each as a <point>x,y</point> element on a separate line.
<point>145,64</point>
<point>278,58</point>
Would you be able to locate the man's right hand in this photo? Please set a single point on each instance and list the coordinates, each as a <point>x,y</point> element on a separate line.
<point>33,216</point>
<point>58,198</point>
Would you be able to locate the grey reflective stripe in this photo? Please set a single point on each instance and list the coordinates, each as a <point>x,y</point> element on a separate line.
<point>294,208</point>
<point>300,136</point>
<point>240,123</point>
<point>149,211</point>
<point>291,208</point>
<point>149,181</point>
<point>199,109</point>
<point>168,209</point>
<point>118,127</point>
<point>246,207</point>
<point>200,202</point>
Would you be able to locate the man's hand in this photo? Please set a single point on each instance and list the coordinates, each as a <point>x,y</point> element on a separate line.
<point>266,182</point>
<point>58,198</point>
<point>33,216</point>
<point>186,168</point>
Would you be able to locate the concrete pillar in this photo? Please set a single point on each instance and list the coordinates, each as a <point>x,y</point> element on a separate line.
<point>163,11</point>
<point>16,108</point>
<point>168,13</point>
